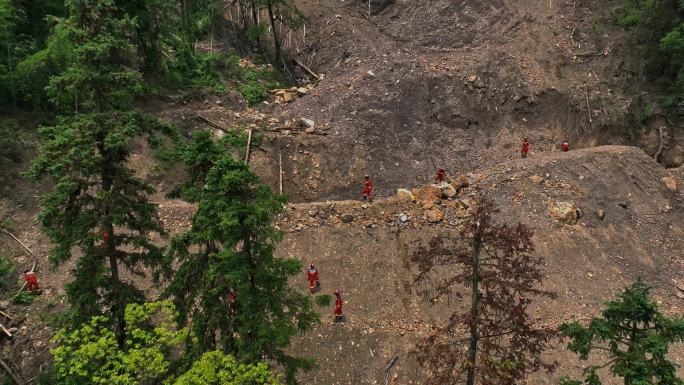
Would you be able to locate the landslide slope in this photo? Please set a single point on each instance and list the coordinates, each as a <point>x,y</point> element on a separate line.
<point>457,84</point>
<point>642,233</point>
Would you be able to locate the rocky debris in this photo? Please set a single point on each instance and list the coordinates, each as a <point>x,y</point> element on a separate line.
<point>288,95</point>
<point>347,217</point>
<point>670,182</point>
<point>404,194</point>
<point>461,182</point>
<point>565,212</point>
<point>600,213</point>
<point>536,179</point>
<point>430,194</point>
<point>434,215</point>
<point>403,218</point>
<point>448,191</point>
<point>307,123</point>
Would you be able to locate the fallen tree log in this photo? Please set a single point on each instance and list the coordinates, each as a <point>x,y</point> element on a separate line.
<point>15,377</point>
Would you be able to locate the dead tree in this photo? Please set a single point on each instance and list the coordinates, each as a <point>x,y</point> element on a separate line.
<point>494,261</point>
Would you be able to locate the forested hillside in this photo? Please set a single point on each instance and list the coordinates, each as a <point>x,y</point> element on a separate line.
<point>247,192</point>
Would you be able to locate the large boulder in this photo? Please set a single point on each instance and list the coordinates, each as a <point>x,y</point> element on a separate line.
<point>404,194</point>
<point>434,215</point>
<point>670,182</point>
<point>428,194</point>
<point>448,190</point>
<point>566,212</point>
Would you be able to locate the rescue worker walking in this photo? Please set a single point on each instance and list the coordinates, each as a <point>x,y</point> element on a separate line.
<point>367,189</point>
<point>565,146</point>
<point>525,148</point>
<point>441,175</point>
<point>312,275</point>
<point>31,279</point>
<point>338,306</point>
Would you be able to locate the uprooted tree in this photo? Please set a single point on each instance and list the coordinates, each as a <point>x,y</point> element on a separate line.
<point>495,261</point>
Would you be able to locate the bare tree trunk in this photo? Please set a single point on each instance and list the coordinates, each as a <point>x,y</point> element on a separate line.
<point>276,41</point>
<point>475,282</point>
<point>117,305</point>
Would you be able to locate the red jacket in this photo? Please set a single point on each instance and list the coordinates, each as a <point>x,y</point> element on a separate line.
<point>565,146</point>
<point>368,187</point>
<point>30,277</point>
<point>338,306</point>
<point>312,274</point>
<point>525,147</point>
<point>440,175</point>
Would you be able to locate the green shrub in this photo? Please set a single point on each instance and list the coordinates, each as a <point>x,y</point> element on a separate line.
<point>256,83</point>
<point>324,300</point>
<point>7,271</point>
<point>24,298</point>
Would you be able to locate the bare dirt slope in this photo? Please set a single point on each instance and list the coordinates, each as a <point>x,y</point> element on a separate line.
<point>586,263</point>
<point>419,85</point>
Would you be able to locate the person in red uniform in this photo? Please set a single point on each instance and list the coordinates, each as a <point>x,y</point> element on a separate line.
<point>565,146</point>
<point>31,279</point>
<point>312,275</point>
<point>525,148</point>
<point>441,174</point>
<point>367,189</point>
<point>338,306</point>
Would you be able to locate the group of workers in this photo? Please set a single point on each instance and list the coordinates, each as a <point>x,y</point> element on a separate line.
<point>525,147</point>
<point>367,192</point>
<point>33,286</point>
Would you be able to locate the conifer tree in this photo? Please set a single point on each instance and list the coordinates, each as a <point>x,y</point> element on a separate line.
<point>634,335</point>
<point>495,262</point>
<point>98,205</point>
<point>229,284</point>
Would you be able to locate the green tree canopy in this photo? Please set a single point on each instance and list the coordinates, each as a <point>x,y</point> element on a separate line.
<point>634,334</point>
<point>216,368</point>
<point>98,204</point>
<point>228,282</point>
<point>91,354</point>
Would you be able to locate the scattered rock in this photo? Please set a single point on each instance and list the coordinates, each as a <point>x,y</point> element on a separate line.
<point>404,194</point>
<point>600,214</point>
<point>565,212</point>
<point>460,182</point>
<point>679,284</point>
<point>428,194</point>
<point>434,216</point>
<point>370,73</point>
<point>403,218</point>
<point>536,179</point>
<point>307,123</point>
<point>287,97</point>
<point>590,275</point>
<point>472,78</point>
<point>670,182</point>
<point>301,91</point>
<point>347,217</point>
<point>448,191</point>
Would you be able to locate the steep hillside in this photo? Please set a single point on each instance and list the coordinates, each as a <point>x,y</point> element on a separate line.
<point>406,89</point>
<point>632,225</point>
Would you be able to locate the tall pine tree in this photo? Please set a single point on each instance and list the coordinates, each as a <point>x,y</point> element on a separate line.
<point>98,205</point>
<point>229,284</point>
<point>633,335</point>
